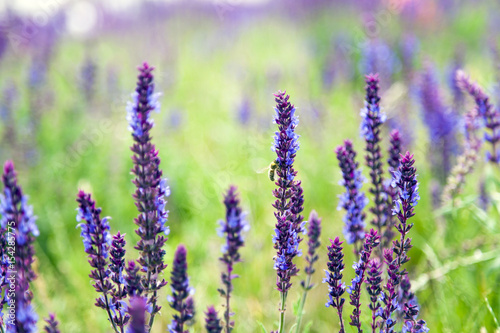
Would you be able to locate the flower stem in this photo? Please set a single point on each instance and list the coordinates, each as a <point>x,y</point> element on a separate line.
<point>302,303</point>
<point>282,312</point>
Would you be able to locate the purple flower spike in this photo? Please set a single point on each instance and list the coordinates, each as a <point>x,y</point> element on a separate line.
<point>117,267</point>
<point>232,229</point>
<point>133,280</point>
<point>372,240</point>
<point>373,288</point>
<point>18,230</point>
<point>353,201</point>
<point>334,279</point>
<point>405,181</point>
<point>137,310</point>
<point>313,233</point>
<point>52,324</point>
<point>152,189</point>
<point>487,111</point>
<point>373,118</point>
<point>212,321</point>
<point>180,292</point>
<point>289,199</point>
<point>97,242</point>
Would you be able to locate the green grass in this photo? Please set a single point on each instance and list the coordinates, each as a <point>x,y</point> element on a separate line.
<point>205,70</point>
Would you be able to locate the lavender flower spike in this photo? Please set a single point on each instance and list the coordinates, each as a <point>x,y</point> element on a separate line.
<point>152,189</point>
<point>117,267</point>
<point>97,241</point>
<point>137,310</point>
<point>393,161</point>
<point>212,321</point>
<point>289,199</point>
<point>19,230</point>
<point>180,292</point>
<point>52,324</point>
<point>373,118</point>
<point>405,181</point>
<point>334,279</point>
<point>231,229</point>
<point>372,240</point>
<point>487,111</point>
<point>373,288</point>
<point>353,201</point>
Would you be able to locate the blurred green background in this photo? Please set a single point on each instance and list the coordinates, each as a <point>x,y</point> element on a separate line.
<point>212,60</point>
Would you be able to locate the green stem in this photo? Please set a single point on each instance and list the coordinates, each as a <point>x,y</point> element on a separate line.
<point>282,312</point>
<point>152,318</point>
<point>302,303</point>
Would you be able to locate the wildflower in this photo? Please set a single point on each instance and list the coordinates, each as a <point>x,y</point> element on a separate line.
<point>19,229</point>
<point>180,292</point>
<point>334,279</point>
<point>231,229</point>
<point>97,242</point>
<point>393,161</point>
<point>117,266</point>
<point>372,119</point>
<point>373,288</point>
<point>52,324</point>
<point>212,322</point>
<point>490,115</point>
<point>289,198</point>
<point>441,123</point>
<point>152,189</point>
<point>353,201</point>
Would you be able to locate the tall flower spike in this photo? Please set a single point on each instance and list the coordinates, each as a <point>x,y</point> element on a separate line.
<point>232,229</point>
<point>405,181</point>
<point>393,161</point>
<point>333,277</point>
<point>180,292</point>
<point>152,189</point>
<point>353,200</point>
<point>289,199</point>
<point>372,119</point>
<point>441,123</point>
<point>490,114</point>
<point>137,310</point>
<point>212,321</point>
<point>18,224</point>
<point>372,240</point>
<point>52,324</point>
<point>97,241</point>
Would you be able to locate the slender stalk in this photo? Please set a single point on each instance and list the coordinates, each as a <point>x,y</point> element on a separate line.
<point>302,303</point>
<point>282,312</point>
<point>227,313</point>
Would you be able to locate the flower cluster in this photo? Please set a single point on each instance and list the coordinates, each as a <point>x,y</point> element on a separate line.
<point>137,310</point>
<point>313,233</point>
<point>152,189</point>
<point>490,114</point>
<point>353,200</point>
<point>18,232</point>
<point>393,161</point>
<point>212,321</point>
<point>180,299</point>
<point>52,324</point>
<point>232,229</point>
<point>372,119</point>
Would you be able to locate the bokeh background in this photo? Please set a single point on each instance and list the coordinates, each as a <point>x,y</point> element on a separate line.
<point>67,69</point>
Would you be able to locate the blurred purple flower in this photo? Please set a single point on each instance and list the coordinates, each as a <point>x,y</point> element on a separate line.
<point>52,324</point>
<point>378,57</point>
<point>212,322</point>
<point>88,74</point>
<point>232,229</point>
<point>313,233</point>
<point>441,122</point>
<point>137,310</point>
<point>19,229</point>
<point>353,201</point>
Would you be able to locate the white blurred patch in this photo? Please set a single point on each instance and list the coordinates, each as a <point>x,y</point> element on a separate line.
<point>81,18</point>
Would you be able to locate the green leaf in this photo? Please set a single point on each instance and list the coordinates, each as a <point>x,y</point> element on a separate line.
<point>262,327</point>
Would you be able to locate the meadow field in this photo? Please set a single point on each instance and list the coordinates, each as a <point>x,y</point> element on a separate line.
<point>63,99</point>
